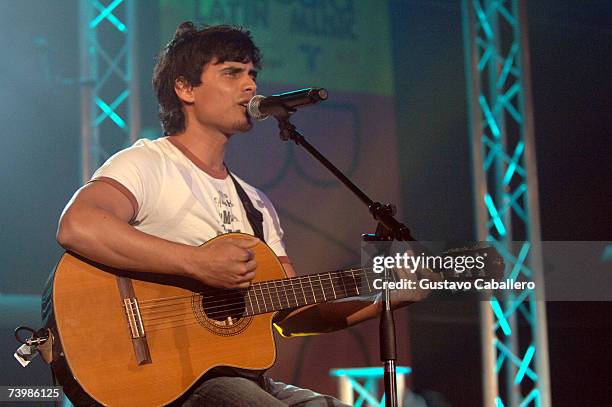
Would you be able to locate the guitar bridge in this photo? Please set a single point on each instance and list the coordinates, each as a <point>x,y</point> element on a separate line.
<point>132,312</point>
<point>133,316</point>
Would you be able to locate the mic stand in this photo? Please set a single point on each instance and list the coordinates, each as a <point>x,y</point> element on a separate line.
<point>388,229</point>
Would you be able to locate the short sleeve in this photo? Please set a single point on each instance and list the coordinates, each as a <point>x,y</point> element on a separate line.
<point>135,172</point>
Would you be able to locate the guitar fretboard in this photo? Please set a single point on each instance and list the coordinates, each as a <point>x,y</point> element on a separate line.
<point>276,295</point>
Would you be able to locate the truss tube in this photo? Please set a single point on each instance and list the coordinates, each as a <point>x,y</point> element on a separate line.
<point>489,376</point>
<point>102,69</point>
<point>86,80</point>
<point>529,156</point>
<point>133,77</point>
<point>485,16</point>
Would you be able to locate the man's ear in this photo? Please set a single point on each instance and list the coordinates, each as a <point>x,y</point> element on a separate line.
<point>184,90</point>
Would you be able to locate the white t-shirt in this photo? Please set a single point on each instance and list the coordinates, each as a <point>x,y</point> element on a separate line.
<point>175,198</point>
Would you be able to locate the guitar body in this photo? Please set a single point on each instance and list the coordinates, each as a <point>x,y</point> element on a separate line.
<point>182,341</point>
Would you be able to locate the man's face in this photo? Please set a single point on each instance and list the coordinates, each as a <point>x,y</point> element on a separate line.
<point>220,100</point>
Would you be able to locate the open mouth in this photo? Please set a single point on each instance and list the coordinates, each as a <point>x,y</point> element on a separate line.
<point>246,110</point>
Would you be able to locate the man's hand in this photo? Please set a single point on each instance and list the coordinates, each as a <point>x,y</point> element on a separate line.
<point>224,263</point>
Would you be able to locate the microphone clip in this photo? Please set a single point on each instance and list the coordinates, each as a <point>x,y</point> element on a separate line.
<point>287,129</point>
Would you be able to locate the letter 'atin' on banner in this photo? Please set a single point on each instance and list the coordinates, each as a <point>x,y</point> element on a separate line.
<point>343,46</point>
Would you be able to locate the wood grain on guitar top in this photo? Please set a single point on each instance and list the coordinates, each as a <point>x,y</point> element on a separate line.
<point>184,342</point>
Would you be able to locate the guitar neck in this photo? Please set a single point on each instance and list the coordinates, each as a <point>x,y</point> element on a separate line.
<point>277,295</point>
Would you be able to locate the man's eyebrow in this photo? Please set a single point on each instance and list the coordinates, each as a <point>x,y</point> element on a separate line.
<point>232,69</point>
<point>236,69</point>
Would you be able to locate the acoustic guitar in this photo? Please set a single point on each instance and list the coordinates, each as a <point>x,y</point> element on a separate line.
<point>141,343</point>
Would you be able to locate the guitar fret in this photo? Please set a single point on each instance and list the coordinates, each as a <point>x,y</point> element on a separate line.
<point>298,291</point>
<point>254,288</point>
<point>355,281</point>
<point>303,291</point>
<point>332,285</point>
<point>267,296</point>
<point>322,287</point>
<point>280,302</point>
<point>308,291</point>
<point>285,291</point>
<point>274,307</point>
<point>271,296</point>
<point>365,273</point>
<point>263,296</point>
<point>294,295</point>
<point>347,284</point>
<point>314,297</point>
<point>248,295</point>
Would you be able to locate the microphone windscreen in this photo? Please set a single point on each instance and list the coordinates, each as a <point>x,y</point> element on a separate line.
<point>253,108</point>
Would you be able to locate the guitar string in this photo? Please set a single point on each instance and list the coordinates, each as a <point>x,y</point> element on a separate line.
<point>267,290</point>
<point>271,281</point>
<point>238,308</point>
<point>167,319</point>
<point>171,322</point>
<point>188,320</point>
<point>156,327</point>
<point>322,287</point>
<point>177,323</point>
<point>242,307</point>
<point>296,282</point>
<point>267,285</point>
<point>212,315</point>
<point>160,328</point>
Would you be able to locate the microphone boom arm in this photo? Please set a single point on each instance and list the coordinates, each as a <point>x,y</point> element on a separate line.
<point>381,213</point>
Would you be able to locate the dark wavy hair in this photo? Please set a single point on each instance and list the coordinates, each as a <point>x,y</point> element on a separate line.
<point>186,56</point>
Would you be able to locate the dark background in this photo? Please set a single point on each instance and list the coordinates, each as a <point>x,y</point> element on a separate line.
<point>570,59</point>
<point>570,62</point>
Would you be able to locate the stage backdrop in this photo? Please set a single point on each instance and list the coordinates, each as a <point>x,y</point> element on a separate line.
<point>345,47</point>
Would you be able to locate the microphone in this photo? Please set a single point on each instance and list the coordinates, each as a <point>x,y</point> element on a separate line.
<point>260,107</point>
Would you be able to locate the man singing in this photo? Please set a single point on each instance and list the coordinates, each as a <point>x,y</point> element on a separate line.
<point>150,207</point>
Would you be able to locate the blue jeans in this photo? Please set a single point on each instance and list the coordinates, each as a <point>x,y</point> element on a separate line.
<point>241,392</point>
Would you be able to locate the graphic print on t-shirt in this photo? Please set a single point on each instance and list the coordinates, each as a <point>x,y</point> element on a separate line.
<point>224,206</point>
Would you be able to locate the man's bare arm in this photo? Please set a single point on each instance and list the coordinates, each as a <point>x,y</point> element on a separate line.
<point>95,224</point>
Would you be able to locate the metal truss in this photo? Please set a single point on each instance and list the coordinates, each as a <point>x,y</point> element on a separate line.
<point>514,339</point>
<point>109,91</point>
<point>363,382</point>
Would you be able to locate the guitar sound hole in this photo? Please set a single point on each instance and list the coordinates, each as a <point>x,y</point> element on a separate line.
<point>225,307</point>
